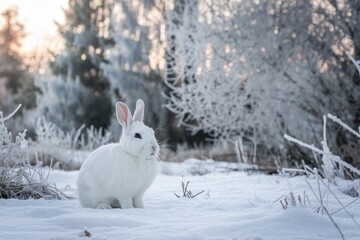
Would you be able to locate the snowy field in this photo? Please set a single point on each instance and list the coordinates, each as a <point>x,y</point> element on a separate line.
<point>234,205</point>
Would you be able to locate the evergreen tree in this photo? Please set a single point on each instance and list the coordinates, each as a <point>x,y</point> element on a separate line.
<point>14,76</point>
<point>86,36</point>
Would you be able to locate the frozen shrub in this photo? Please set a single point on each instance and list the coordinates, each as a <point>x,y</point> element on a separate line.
<point>18,179</point>
<point>67,149</point>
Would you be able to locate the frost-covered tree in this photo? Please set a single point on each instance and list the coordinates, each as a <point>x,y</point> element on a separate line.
<point>86,36</point>
<point>136,60</point>
<point>217,70</point>
<point>255,69</point>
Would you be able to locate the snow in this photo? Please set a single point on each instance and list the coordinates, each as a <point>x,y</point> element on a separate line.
<point>234,205</point>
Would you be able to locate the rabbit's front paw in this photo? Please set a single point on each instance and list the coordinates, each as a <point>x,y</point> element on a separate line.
<point>103,206</point>
<point>138,202</point>
<point>126,203</point>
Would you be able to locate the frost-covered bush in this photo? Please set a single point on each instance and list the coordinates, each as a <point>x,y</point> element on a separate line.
<point>19,179</point>
<point>61,101</point>
<point>67,148</point>
<point>67,103</point>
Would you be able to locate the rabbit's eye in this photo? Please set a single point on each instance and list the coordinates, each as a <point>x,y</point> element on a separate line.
<point>137,135</point>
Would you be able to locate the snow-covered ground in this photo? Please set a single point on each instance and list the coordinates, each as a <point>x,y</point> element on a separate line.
<point>234,205</point>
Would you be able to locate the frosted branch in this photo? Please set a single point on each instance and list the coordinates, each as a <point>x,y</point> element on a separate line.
<point>311,147</point>
<point>344,125</point>
<point>11,114</point>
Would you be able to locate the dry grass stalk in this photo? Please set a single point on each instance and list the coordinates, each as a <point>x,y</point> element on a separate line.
<point>187,193</point>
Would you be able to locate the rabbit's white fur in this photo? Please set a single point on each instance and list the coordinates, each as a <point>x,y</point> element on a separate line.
<point>118,174</point>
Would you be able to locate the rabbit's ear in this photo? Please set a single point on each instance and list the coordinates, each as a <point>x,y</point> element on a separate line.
<point>139,111</point>
<point>123,114</point>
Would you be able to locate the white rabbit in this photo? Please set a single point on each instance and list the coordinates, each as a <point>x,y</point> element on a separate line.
<point>117,175</point>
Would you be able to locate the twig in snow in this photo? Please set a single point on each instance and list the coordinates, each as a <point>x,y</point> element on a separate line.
<point>290,200</point>
<point>187,193</point>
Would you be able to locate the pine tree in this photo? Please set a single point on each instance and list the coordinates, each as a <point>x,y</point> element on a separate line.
<point>86,37</point>
<point>14,76</point>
